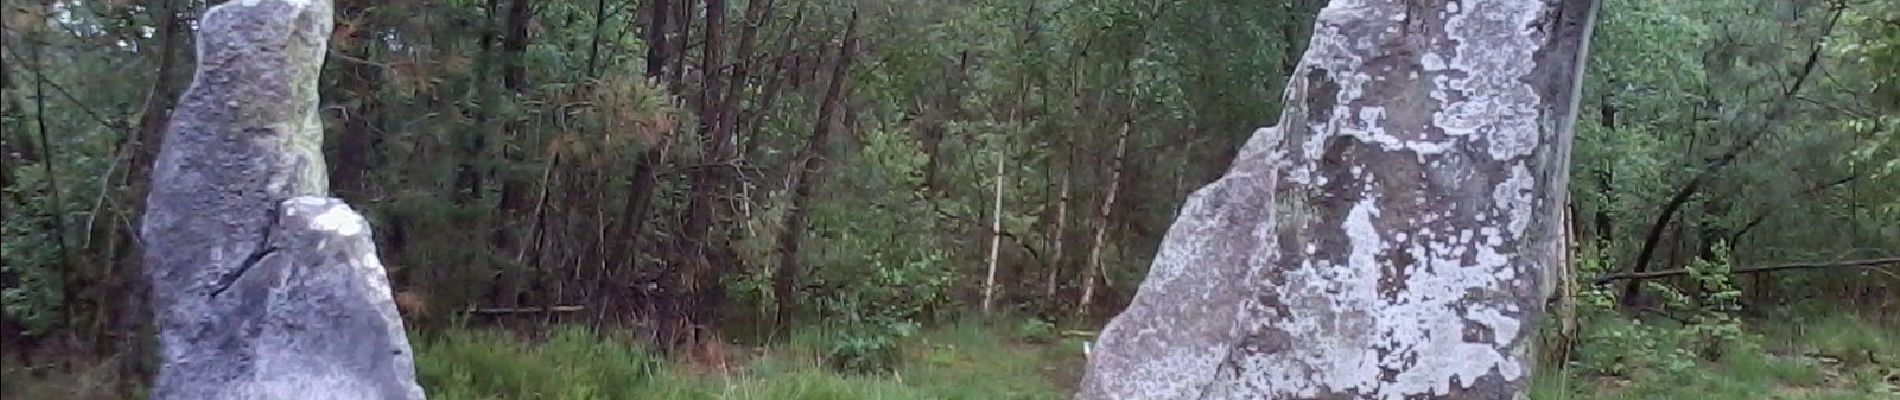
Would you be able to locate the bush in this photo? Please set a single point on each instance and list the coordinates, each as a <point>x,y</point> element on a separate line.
<point>29,253</point>
<point>869,348</point>
<point>1036,331</point>
<point>572,364</point>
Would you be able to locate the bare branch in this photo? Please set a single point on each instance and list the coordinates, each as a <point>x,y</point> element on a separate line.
<point>1866,263</point>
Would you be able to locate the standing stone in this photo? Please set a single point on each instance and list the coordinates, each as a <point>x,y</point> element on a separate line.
<point>1391,237</point>
<point>261,288</point>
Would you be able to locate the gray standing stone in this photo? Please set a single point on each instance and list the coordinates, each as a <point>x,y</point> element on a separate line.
<point>260,292</point>
<point>1390,238</point>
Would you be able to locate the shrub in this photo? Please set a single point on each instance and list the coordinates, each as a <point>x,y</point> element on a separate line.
<point>1036,331</point>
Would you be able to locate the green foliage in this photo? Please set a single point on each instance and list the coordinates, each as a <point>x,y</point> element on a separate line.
<point>1615,345</point>
<point>879,312</point>
<point>1036,330</point>
<point>573,364</point>
<point>868,347</point>
<point>30,254</point>
<point>1803,359</point>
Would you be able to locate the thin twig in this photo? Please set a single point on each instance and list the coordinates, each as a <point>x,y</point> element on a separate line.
<point>1866,263</point>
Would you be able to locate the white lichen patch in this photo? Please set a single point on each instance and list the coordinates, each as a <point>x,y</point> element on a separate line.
<point>1411,340</point>
<point>330,215</point>
<point>1359,323</point>
<point>1494,45</point>
<point>292,3</point>
<point>1515,197</point>
<point>340,220</point>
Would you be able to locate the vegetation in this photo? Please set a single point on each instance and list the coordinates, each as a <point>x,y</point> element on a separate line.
<point>829,194</point>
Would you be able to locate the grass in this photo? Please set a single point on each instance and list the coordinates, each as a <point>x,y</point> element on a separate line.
<point>1832,358</point>
<point>960,361</point>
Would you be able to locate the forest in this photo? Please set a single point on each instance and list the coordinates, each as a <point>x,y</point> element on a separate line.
<point>945,199</point>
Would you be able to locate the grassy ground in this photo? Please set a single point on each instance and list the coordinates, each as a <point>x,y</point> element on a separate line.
<point>963,361</point>
<point>1823,359</point>
<point>1838,358</point>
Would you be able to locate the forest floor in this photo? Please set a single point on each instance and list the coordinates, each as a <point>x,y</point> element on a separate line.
<point>1838,358</point>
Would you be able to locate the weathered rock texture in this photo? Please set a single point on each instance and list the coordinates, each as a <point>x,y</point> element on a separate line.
<point>260,293</point>
<point>1389,240</point>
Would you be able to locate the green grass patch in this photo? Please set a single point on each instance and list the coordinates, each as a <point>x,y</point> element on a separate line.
<point>960,361</point>
<point>1832,358</point>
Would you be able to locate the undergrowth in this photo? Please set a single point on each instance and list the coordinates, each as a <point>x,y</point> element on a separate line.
<point>1834,358</point>
<point>959,361</point>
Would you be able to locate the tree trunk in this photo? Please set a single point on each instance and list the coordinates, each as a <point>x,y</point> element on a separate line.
<point>996,231</point>
<point>504,239</point>
<point>358,84</point>
<point>699,281</point>
<point>1059,236</point>
<point>134,320</point>
<point>1389,239</point>
<point>784,281</point>
<point>683,21</point>
<point>656,37</point>
<point>638,201</point>
<point>1095,268</point>
<point>1682,195</point>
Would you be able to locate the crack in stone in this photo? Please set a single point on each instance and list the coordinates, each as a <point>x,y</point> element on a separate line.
<point>264,248</point>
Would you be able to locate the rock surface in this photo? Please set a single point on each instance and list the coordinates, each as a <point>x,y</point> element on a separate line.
<point>1390,238</point>
<point>257,291</point>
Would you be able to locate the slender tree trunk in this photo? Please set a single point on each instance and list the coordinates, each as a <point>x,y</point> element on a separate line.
<point>640,186</point>
<point>1566,295</point>
<point>504,239</point>
<point>996,231</point>
<point>783,62</point>
<point>701,278</point>
<point>358,83</point>
<point>593,47</point>
<point>133,320</point>
<point>48,158</point>
<point>1682,195</point>
<point>657,15</point>
<point>683,20</point>
<point>469,177</point>
<point>757,12</point>
<point>1095,267</point>
<point>784,282</point>
<point>1061,233</point>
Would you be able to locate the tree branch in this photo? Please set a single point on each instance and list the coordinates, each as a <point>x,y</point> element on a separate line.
<point>1866,263</point>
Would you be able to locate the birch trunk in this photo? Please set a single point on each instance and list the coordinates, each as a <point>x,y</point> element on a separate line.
<point>1390,238</point>
<point>1094,269</point>
<point>996,234</point>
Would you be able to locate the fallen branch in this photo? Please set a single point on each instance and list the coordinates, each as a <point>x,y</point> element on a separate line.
<point>1872,262</point>
<point>1086,334</point>
<point>527,310</point>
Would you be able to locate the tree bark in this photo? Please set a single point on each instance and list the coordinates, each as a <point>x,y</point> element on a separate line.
<point>996,232</point>
<point>359,82</point>
<point>1094,268</point>
<point>785,279</point>
<point>656,37</point>
<point>1059,236</point>
<point>505,241</point>
<point>1779,109</point>
<point>699,281</point>
<point>1638,276</point>
<point>1389,239</point>
<point>640,187</point>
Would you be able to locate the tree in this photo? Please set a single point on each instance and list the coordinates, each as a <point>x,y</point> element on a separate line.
<point>1392,236</point>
